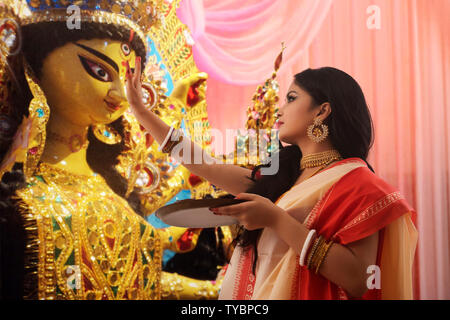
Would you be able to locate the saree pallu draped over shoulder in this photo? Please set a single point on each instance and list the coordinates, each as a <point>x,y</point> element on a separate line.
<point>345,203</point>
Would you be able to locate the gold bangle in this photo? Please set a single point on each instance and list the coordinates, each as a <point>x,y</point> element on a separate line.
<point>325,250</point>
<point>316,255</point>
<point>313,250</point>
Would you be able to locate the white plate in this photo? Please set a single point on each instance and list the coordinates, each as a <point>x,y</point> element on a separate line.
<point>191,213</point>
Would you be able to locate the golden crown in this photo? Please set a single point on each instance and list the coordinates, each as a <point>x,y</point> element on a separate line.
<point>137,15</point>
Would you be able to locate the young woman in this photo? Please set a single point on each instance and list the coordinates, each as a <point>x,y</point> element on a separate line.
<point>324,226</point>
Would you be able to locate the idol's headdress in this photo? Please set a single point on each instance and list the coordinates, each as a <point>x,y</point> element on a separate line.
<point>137,15</point>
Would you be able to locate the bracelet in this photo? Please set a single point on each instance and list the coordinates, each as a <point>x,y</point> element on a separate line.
<point>313,251</point>
<point>169,134</point>
<point>306,246</point>
<point>325,250</point>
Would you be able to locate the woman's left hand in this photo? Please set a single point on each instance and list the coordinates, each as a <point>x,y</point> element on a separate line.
<point>256,213</point>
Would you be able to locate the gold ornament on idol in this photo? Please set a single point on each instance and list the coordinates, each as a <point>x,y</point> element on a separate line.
<point>319,159</point>
<point>75,142</point>
<point>318,131</point>
<point>106,134</point>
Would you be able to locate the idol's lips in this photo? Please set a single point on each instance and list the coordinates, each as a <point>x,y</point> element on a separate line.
<point>111,106</point>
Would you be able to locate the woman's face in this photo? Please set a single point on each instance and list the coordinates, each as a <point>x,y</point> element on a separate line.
<point>296,115</point>
<point>84,81</point>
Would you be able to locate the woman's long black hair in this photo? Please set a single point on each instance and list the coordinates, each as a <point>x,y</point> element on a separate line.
<point>38,40</point>
<point>350,132</point>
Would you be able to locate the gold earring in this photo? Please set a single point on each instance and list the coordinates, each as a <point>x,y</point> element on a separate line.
<point>106,134</point>
<point>318,131</point>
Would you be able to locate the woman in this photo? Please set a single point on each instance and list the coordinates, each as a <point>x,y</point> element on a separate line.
<point>336,230</point>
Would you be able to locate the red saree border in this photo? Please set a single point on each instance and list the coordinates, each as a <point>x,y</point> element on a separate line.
<point>373,209</point>
<point>245,280</point>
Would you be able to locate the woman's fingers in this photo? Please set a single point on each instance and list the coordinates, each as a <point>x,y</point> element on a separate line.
<point>247,196</point>
<point>129,84</point>
<point>231,210</point>
<point>137,72</point>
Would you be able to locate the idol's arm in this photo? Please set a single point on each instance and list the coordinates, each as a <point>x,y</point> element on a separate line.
<point>179,240</point>
<point>178,287</point>
<point>231,178</point>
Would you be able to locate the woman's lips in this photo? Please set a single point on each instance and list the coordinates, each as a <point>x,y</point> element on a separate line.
<point>111,106</point>
<point>278,124</point>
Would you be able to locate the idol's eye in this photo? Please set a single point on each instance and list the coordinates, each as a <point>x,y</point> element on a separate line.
<point>95,69</point>
<point>126,49</point>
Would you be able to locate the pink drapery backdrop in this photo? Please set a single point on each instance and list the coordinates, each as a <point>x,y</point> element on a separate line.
<point>403,68</point>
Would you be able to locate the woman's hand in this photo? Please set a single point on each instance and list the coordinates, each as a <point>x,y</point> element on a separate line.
<point>256,213</point>
<point>187,91</point>
<point>134,86</point>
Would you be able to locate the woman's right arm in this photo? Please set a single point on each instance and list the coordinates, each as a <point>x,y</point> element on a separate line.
<point>231,178</point>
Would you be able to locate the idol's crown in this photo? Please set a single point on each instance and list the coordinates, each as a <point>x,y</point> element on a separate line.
<point>139,15</point>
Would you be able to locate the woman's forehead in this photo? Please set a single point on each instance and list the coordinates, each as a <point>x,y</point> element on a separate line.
<point>295,88</point>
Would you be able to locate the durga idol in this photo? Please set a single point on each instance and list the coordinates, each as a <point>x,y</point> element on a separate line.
<point>71,214</point>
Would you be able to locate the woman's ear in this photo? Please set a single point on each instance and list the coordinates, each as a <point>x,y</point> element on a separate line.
<point>324,110</point>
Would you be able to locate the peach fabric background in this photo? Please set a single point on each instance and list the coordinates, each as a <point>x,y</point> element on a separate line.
<point>403,68</point>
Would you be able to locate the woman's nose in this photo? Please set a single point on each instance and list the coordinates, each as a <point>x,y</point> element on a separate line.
<point>279,113</point>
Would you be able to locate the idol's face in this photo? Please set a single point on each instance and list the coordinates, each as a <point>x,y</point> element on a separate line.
<point>84,81</point>
<point>296,115</point>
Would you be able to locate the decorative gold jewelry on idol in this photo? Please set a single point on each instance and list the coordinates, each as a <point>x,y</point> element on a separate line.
<point>39,113</point>
<point>106,134</point>
<point>318,131</point>
<point>75,142</point>
<point>261,119</point>
<point>118,252</point>
<point>319,159</point>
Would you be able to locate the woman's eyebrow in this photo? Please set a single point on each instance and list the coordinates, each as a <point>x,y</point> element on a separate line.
<point>292,91</point>
<point>100,55</point>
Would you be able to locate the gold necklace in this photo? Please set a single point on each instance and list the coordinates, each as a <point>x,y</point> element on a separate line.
<point>319,159</point>
<point>75,142</point>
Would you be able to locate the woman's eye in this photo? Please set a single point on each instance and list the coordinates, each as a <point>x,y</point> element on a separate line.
<point>290,98</point>
<point>95,70</point>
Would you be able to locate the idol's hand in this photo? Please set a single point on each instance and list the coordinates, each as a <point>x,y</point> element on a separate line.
<point>134,86</point>
<point>190,90</point>
<point>256,213</point>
